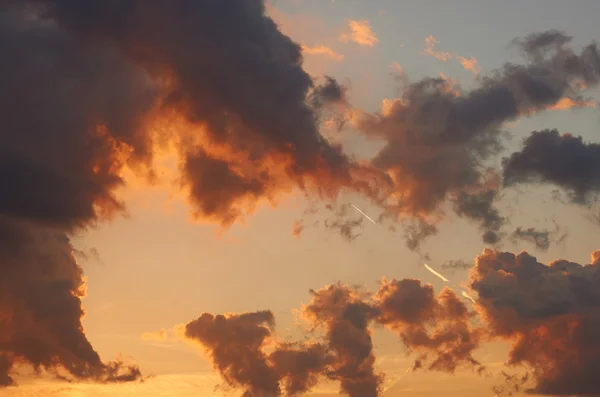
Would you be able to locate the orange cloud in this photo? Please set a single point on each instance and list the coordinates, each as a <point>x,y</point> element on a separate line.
<point>430,43</point>
<point>360,33</point>
<point>471,64</point>
<point>322,50</point>
<point>569,103</point>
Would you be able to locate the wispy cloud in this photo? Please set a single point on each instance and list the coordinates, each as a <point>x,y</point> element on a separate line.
<point>360,32</point>
<point>323,51</point>
<point>471,64</point>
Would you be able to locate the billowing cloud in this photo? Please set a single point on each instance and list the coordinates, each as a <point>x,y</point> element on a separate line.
<point>437,327</point>
<point>551,313</point>
<point>563,160</point>
<point>346,316</point>
<point>245,107</point>
<point>69,122</point>
<point>41,288</point>
<point>438,139</point>
<point>236,345</point>
<point>360,32</point>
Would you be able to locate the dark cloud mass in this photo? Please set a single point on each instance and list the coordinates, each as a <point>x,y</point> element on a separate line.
<point>66,111</point>
<point>69,121</point>
<point>84,81</point>
<point>563,160</point>
<point>81,84</point>
<point>224,66</point>
<point>551,313</point>
<point>41,286</point>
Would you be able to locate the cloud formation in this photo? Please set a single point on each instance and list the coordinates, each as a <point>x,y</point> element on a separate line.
<point>471,64</point>
<point>361,33</point>
<point>345,316</point>
<point>243,349</point>
<point>436,327</point>
<point>439,140</point>
<point>322,50</point>
<point>563,160</point>
<point>551,313</point>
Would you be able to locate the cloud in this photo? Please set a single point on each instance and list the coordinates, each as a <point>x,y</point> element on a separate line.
<point>430,43</point>
<point>236,346</point>
<point>438,140</point>
<point>551,313</point>
<point>322,50</point>
<point>432,326</point>
<point>345,317</point>
<point>541,239</point>
<point>480,207</point>
<point>471,64</point>
<point>343,223</point>
<point>563,160</point>
<point>339,348</point>
<point>359,32</point>
<point>42,287</point>
<point>230,101</point>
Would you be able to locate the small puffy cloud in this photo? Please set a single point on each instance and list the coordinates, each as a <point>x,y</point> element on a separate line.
<point>360,32</point>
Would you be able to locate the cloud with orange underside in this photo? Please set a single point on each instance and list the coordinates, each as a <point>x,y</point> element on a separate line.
<point>359,32</point>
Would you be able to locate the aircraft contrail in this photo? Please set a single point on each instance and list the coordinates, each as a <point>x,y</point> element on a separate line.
<point>436,273</point>
<point>363,214</point>
<point>468,296</point>
<point>463,292</point>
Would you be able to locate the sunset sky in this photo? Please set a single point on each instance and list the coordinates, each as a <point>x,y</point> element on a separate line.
<point>420,114</point>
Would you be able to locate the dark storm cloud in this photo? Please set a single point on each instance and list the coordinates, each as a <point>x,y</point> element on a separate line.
<point>564,160</point>
<point>550,312</point>
<point>63,108</point>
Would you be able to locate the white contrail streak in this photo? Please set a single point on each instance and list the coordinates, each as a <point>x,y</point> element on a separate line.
<point>365,215</point>
<point>436,273</point>
<point>468,296</point>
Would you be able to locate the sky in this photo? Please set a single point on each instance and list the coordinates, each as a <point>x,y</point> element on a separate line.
<point>218,198</point>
